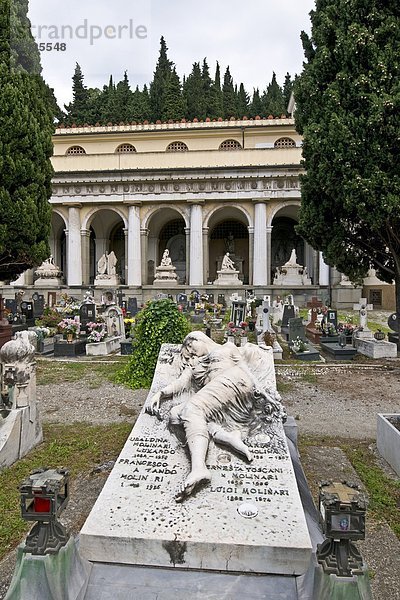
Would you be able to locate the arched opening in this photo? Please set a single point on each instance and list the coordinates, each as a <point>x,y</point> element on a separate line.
<point>106,235</point>
<point>167,231</point>
<point>228,235</point>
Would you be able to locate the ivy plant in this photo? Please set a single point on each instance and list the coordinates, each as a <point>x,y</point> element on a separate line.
<point>160,322</point>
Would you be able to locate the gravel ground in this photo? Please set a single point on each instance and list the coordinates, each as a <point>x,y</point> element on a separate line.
<point>339,401</point>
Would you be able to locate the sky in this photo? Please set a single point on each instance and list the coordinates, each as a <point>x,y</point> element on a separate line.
<point>108,37</point>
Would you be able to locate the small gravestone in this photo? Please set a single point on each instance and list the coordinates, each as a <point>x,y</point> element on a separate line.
<point>238,312</point>
<point>27,311</point>
<point>182,299</point>
<point>194,298</point>
<point>114,320</point>
<point>87,314</point>
<point>266,313</point>
<point>38,305</point>
<point>221,299</point>
<point>394,324</point>
<point>120,297</point>
<point>51,299</point>
<point>288,313</point>
<point>11,305</point>
<point>132,306</point>
<point>331,317</point>
<point>296,330</point>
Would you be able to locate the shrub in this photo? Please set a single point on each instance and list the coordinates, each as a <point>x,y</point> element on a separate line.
<point>160,322</point>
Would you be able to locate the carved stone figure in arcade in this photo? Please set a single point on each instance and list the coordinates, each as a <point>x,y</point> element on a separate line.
<point>230,396</point>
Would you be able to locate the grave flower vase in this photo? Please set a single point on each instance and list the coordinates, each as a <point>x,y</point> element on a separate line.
<point>70,338</point>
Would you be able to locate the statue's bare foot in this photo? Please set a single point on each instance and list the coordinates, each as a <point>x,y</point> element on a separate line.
<point>193,480</point>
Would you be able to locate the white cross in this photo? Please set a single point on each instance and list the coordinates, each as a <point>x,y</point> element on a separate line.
<point>363,307</point>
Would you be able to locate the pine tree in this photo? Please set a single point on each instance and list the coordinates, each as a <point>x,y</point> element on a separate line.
<point>228,96</point>
<point>348,103</point>
<point>273,99</point>
<point>256,107</point>
<point>216,107</point>
<point>26,126</point>
<point>242,102</point>
<point>158,87</point>
<point>287,90</point>
<point>174,103</point>
<point>78,111</point>
<point>193,92</point>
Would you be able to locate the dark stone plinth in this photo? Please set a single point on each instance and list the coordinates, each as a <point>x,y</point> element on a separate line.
<point>285,333</point>
<point>46,346</point>
<point>126,347</point>
<point>311,354</point>
<point>394,338</point>
<point>5,334</point>
<point>74,348</point>
<point>329,339</point>
<point>346,353</point>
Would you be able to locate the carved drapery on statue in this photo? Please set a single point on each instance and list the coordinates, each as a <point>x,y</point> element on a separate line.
<point>106,270</point>
<point>230,398</point>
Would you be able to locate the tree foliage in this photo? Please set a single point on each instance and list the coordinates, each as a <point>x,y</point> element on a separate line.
<point>197,96</point>
<point>348,104</point>
<point>26,126</point>
<point>160,322</point>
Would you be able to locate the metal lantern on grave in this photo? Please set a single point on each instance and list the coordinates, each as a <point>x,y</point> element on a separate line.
<point>44,495</point>
<point>342,507</point>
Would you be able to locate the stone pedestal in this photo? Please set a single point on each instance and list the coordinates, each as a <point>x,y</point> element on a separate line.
<point>228,279</point>
<point>339,353</point>
<point>166,276</point>
<point>74,348</point>
<point>48,283</point>
<point>107,281</point>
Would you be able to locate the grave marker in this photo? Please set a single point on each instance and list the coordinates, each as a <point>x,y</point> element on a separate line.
<point>132,306</point>
<point>87,314</point>
<point>296,330</point>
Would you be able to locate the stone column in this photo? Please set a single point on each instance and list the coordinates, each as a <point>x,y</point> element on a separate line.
<point>269,253</point>
<point>144,234</point>
<point>260,244</point>
<point>74,246</point>
<point>134,275</point>
<point>251,254</point>
<point>196,245</point>
<point>323,271</point>
<point>85,244</point>
<point>206,259</point>
<point>187,234</point>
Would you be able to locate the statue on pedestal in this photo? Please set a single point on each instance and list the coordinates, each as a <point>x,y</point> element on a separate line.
<point>227,263</point>
<point>166,272</point>
<point>106,270</point>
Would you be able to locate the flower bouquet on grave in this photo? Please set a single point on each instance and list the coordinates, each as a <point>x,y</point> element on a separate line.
<point>300,345</point>
<point>97,332</point>
<point>70,328</point>
<point>347,329</point>
<point>129,323</point>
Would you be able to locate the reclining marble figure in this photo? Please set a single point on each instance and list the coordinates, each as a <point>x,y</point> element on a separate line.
<point>230,392</point>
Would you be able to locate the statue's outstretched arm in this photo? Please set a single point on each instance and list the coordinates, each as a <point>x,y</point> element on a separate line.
<point>179,385</point>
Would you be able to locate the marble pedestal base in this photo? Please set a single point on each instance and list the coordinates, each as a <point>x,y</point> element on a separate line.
<point>166,276</point>
<point>50,282</point>
<point>228,278</point>
<point>107,281</point>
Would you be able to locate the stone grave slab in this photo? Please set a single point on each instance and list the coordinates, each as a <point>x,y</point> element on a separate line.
<point>249,518</point>
<point>331,317</point>
<point>377,349</point>
<point>311,354</point>
<point>346,353</point>
<point>87,314</point>
<point>11,305</point>
<point>74,348</point>
<point>27,310</point>
<point>38,305</point>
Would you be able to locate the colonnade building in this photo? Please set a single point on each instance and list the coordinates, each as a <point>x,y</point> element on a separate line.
<point>197,189</point>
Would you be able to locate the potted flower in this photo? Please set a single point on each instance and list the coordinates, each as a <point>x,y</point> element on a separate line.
<point>300,345</point>
<point>70,328</point>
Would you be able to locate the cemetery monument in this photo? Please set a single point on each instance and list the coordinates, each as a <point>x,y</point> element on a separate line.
<point>228,274</point>
<point>166,272</point>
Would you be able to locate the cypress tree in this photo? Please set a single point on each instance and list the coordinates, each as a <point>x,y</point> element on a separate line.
<point>242,102</point>
<point>193,93</point>
<point>78,110</point>
<point>123,101</point>
<point>228,96</point>
<point>287,90</point>
<point>174,103</point>
<point>273,99</point>
<point>26,126</point>
<point>348,103</point>
<point>256,107</point>
<point>216,106</point>
<point>158,87</point>
<point>207,84</point>
<point>140,105</point>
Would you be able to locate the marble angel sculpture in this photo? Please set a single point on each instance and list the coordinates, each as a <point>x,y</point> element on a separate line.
<point>230,389</point>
